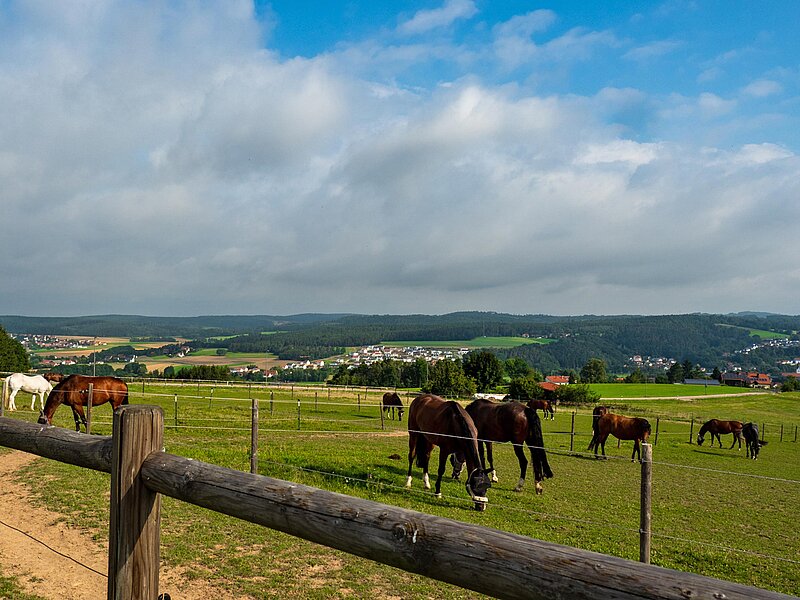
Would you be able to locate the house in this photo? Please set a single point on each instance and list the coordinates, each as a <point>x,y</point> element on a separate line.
<point>557,379</point>
<point>548,386</point>
<point>748,379</point>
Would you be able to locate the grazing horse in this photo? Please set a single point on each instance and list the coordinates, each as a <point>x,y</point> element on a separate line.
<point>623,428</point>
<point>509,422</point>
<point>752,443</point>
<point>54,377</point>
<point>433,421</point>
<point>74,392</point>
<point>716,427</point>
<point>36,385</point>
<point>545,406</point>
<point>392,401</point>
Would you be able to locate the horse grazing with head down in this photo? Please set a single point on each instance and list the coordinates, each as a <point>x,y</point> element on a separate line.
<point>717,427</point>
<point>391,401</point>
<point>752,443</point>
<point>74,392</point>
<point>433,421</point>
<point>509,422</point>
<point>545,406</point>
<point>36,385</point>
<point>622,428</point>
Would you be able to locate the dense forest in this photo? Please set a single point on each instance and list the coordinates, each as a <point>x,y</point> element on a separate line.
<point>708,340</point>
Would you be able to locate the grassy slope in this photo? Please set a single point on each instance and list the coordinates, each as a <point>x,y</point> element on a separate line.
<point>697,516</point>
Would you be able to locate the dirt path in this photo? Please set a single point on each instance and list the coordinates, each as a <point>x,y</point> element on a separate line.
<point>42,571</point>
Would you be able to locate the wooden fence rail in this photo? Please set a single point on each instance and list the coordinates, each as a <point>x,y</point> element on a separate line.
<point>485,560</point>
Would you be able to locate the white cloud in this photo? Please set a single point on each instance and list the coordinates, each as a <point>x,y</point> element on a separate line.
<point>426,20</point>
<point>761,88</point>
<point>652,50</point>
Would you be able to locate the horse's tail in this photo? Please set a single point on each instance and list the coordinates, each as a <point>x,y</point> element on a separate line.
<point>125,396</point>
<point>5,390</point>
<point>421,450</point>
<point>535,441</point>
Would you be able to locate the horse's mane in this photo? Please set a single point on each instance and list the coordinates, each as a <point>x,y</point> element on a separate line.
<point>464,430</point>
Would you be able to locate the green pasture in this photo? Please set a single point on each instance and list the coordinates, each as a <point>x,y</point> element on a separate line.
<point>473,344</point>
<point>764,334</point>
<point>714,512</point>
<point>662,390</point>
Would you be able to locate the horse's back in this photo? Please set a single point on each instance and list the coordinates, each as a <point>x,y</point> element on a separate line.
<point>392,399</point>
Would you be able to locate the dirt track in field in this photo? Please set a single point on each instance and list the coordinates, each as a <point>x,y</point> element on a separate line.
<point>33,541</point>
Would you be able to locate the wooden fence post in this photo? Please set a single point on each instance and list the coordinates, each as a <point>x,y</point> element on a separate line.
<point>271,400</point>
<point>763,431</point>
<point>572,433</point>
<point>254,437</point>
<point>89,409</point>
<point>691,429</point>
<point>380,410</point>
<point>134,536</point>
<point>645,511</point>
<point>298,413</point>
<point>315,401</point>
<point>655,442</point>
<point>175,409</point>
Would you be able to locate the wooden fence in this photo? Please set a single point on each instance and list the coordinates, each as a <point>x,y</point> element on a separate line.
<point>488,561</point>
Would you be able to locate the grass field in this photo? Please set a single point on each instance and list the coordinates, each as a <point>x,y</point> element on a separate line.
<point>762,333</point>
<point>478,342</point>
<point>714,512</point>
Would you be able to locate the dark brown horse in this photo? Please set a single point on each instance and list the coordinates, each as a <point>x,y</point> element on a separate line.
<point>392,401</point>
<point>623,428</point>
<point>74,392</point>
<point>54,377</point>
<point>717,427</point>
<point>433,421</point>
<point>510,422</point>
<point>598,412</point>
<point>545,406</point>
<point>753,444</point>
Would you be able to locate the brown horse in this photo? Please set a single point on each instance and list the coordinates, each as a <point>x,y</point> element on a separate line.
<point>623,428</point>
<point>433,421</point>
<point>510,422</point>
<point>545,406</point>
<point>598,412</point>
<point>74,392</point>
<point>54,377</point>
<point>392,401</point>
<point>717,427</point>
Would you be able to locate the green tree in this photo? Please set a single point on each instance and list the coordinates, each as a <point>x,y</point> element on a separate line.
<point>484,368</point>
<point>676,374</point>
<point>575,394</point>
<point>525,388</point>
<point>594,371</point>
<point>790,384</point>
<point>516,367</point>
<point>134,369</point>
<point>636,377</point>
<point>447,378</point>
<point>13,356</point>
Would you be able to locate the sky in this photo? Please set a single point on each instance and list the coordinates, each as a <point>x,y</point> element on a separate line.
<point>567,157</point>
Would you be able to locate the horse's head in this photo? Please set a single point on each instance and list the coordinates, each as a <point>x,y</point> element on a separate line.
<point>699,439</point>
<point>400,412</point>
<point>646,430</point>
<point>478,483</point>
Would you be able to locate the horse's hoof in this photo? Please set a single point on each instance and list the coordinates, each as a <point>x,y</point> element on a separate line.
<point>437,495</point>
<point>494,478</point>
<point>539,489</point>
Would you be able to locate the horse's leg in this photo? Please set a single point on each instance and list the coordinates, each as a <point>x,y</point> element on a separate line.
<point>77,414</point>
<point>635,450</point>
<point>603,439</point>
<point>11,404</point>
<point>442,467</point>
<point>412,446</point>
<point>490,456</point>
<point>523,468</point>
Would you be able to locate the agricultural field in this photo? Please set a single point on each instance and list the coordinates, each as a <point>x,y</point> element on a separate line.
<point>473,344</point>
<point>714,512</point>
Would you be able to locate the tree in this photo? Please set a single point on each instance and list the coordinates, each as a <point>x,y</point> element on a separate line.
<point>636,377</point>
<point>135,369</point>
<point>13,356</point>
<point>516,367</point>
<point>525,388</point>
<point>676,374</point>
<point>791,384</point>
<point>716,374</point>
<point>447,378</point>
<point>594,371</point>
<point>484,368</point>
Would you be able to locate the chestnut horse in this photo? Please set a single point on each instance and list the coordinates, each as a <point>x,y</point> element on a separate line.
<point>545,406</point>
<point>623,428</point>
<point>752,443</point>
<point>433,421</point>
<point>717,427</point>
<point>598,412</point>
<point>74,392</point>
<point>510,422</point>
<point>392,401</point>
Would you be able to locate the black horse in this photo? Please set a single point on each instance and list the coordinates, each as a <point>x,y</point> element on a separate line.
<point>750,433</point>
<point>433,421</point>
<point>391,401</point>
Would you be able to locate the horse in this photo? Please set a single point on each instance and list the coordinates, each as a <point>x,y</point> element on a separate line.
<point>752,443</point>
<point>392,401</point>
<point>597,412</point>
<point>433,421</point>
<point>54,377</point>
<point>36,385</point>
<point>509,422</point>
<point>623,428</point>
<point>717,427</point>
<point>74,391</point>
<point>545,406</point>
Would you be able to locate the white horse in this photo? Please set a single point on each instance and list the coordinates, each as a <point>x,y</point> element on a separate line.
<point>36,385</point>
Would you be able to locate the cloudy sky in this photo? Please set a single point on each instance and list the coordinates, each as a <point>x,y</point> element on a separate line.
<point>569,157</point>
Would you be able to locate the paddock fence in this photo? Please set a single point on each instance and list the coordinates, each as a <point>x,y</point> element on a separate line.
<point>484,560</point>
